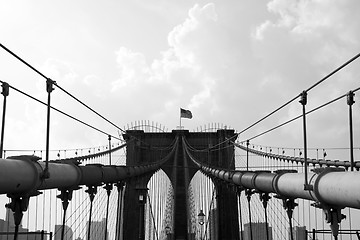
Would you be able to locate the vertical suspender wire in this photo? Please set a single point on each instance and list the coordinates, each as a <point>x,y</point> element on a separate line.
<point>49,89</point>
<point>50,208</point>
<point>64,196</point>
<point>303,102</point>
<point>350,223</point>
<point>157,206</point>
<point>159,209</point>
<point>109,138</point>
<point>247,155</point>
<point>120,186</point>
<point>8,220</point>
<point>108,189</point>
<point>28,218</point>
<point>248,193</point>
<point>36,211</point>
<point>239,204</point>
<point>43,220</point>
<point>156,195</point>
<point>91,191</point>
<point>5,93</point>
<point>350,102</point>
<point>264,197</point>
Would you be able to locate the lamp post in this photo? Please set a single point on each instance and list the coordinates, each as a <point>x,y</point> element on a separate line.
<point>142,201</point>
<point>201,220</point>
<point>167,231</point>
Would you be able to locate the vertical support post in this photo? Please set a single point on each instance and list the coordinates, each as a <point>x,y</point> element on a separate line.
<point>108,187</point>
<point>289,205</point>
<point>49,89</point>
<point>5,93</point>
<point>120,187</point>
<point>18,205</point>
<point>248,193</point>
<point>303,102</point>
<point>350,102</point>
<point>65,196</point>
<point>264,197</point>
<point>142,201</point>
<point>92,190</point>
<point>109,138</point>
<point>241,228</point>
<point>247,155</point>
<point>333,216</point>
<point>313,233</point>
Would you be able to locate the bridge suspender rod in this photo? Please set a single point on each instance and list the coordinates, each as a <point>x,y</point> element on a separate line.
<point>120,188</point>
<point>109,138</point>
<point>92,190</point>
<point>350,102</point>
<point>247,155</point>
<point>264,197</point>
<point>108,187</point>
<point>240,206</point>
<point>65,196</point>
<point>5,93</point>
<point>49,89</point>
<point>303,102</point>
<point>248,193</point>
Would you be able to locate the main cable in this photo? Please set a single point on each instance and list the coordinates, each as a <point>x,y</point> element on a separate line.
<point>41,74</point>
<point>66,114</point>
<point>299,116</point>
<point>68,93</point>
<point>307,90</point>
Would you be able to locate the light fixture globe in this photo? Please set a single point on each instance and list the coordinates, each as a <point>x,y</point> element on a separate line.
<point>201,217</point>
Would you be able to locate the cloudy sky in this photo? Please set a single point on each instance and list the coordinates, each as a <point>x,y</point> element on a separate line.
<point>229,62</point>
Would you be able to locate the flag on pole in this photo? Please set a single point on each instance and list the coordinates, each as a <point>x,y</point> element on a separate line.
<point>185,113</point>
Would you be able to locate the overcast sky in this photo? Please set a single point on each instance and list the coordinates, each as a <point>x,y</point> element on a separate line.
<point>229,62</point>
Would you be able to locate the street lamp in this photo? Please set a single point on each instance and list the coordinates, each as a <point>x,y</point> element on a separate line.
<point>201,220</point>
<point>201,217</point>
<point>142,194</point>
<point>167,231</point>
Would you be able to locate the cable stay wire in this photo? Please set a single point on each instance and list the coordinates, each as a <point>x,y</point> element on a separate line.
<point>62,89</point>
<point>90,156</point>
<point>307,90</point>
<point>299,116</point>
<point>62,112</point>
<point>91,109</point>
<point>152,218</point>
<point>212,148</point>
<point>300,160</point>
<point>65,91</point>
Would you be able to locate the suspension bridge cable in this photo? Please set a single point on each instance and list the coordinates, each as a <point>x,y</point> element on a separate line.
<point>152,218</point>
<point>68,115</point>
<point>307,90</point>
<point>299,116</point>
<point>91,109</point>
<point>62,89</point>
<point>68,93</point>
<point>333,72</point>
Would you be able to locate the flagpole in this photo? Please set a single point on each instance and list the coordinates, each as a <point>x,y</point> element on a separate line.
<point>180,118</point>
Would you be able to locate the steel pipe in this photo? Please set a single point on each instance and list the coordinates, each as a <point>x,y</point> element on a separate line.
<point>23,174</point>
<point>330,186</point>
<point>18,176</point>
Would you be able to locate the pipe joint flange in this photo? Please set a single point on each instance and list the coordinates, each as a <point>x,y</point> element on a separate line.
<point>322,171</point>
